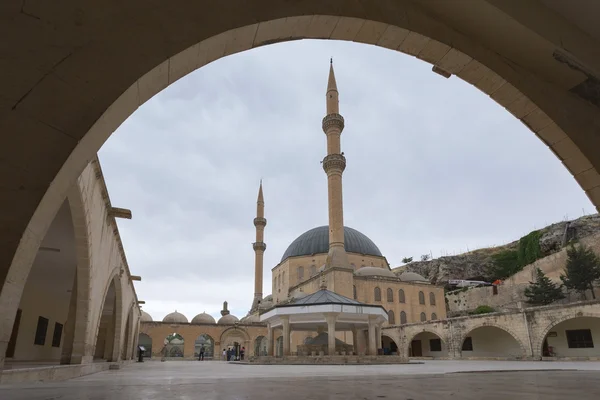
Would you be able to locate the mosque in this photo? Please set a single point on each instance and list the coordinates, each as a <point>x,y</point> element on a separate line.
<point>333,262</point>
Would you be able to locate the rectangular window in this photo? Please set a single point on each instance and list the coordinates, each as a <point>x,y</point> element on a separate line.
<point>580,339</point>
<point>467,344</point>
<point>435,344</point>
<point>40,332</point>
<point>58,328</point>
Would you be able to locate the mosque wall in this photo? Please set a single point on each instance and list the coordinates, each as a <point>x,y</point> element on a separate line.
<point>365,292</point>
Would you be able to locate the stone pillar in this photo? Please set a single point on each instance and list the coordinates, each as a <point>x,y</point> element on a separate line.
<point>378,336</point>
<point>355,339</point>
<point>270,340</point>
<point>372,349</point>
<point>286,335</point>
<point>330,318</point>
<point>69,328</point>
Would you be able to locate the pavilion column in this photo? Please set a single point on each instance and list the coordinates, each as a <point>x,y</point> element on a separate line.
<point>355,339</point>
<point>331,318</point>
<point>372,350</point>
<point>270,340</point>
<point>286,335</point>
<point>378,336</point>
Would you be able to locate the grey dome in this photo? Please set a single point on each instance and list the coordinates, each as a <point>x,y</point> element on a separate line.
<point>203,318</point>
<point>412,277</point>
<point>316,241</point>
<point>374,271</point>
<point>145,317</point>
<point>228,319</point>
<point>176,318</point>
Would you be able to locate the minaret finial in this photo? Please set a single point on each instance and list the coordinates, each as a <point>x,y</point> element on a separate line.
<point>331,60</point>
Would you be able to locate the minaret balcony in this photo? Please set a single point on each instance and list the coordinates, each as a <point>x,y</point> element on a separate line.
<point>334,162</point>
<point>258,221</point>
<point>333,120</point>
<point>259,246</point>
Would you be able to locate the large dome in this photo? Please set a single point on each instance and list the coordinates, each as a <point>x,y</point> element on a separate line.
<point>316,241</point>
<point>175,318</point>
<point>145,317</point>
<point>203,318</point>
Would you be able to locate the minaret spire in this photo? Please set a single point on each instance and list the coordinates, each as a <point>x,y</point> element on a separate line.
<point>259,248</point>
<point>334,164</point>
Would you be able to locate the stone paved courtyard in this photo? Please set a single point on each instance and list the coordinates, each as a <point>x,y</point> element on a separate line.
<point>430,380</point>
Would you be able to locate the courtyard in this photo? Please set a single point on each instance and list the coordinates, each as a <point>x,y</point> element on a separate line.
<point>427,380</point>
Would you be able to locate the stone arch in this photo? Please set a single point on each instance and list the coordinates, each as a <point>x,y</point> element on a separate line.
<point>538,341</point>
<point>237,331</point>
<point>546,108</point>
<point>145,340</point>
<point>261,346</point>
<point>128,334</point>
<point>115,339</point>
<point>389,345</point>
<point>424,337</point>
<point>206,340</point>
<point>520,342</point>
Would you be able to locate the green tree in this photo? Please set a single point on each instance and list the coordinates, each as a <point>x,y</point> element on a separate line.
<point>504,264</point>
<point>543,291</point>
<point>407,260</point>
<point>483,309</point>
<point>582,269</point>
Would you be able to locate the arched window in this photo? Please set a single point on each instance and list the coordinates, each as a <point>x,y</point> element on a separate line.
<point>402,317</point>
<point>279,280</point>
<point>300,274</point>
<point>377,294</point>
<point>275,282</point>
<point>390,295</point>
<point>391,318</point>
<point>313,270</point>
<point>433,316</point>
<point>432,299</point>
<point>421,298</point>
<point>354,291</point>
<point>423,317</point>
<point>283,277</point>
<point>401,296</point>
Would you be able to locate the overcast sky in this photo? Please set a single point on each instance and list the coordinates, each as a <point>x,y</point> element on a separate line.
<point>433,165</point>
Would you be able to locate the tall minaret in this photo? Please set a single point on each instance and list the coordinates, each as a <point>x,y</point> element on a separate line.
<point>259,248</point>
<point>334,164</point>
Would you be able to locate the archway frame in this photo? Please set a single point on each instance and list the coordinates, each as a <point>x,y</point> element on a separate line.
<point>114,278</point>
<point>227,332</point>
<point>411,30</point>
<point>524,348</point>
<point>539,340</point>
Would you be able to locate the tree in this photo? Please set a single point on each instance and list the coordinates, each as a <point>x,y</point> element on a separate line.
<point>582,269</point>
<point>504,264</point>
<point>483,309</point>
<point>407,260</point>
<point>425,257</point>
<point>543,291</point>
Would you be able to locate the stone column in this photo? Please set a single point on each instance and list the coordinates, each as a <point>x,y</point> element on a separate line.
<point>355,339</point>
<point>286,335</point>
<point>69,327</point>
<point>378,336</point>
<point>372,350</point>
<point>331,318</point>
<point>270,340</point>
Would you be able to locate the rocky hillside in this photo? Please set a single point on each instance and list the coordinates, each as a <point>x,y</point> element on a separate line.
<point>475,264</point>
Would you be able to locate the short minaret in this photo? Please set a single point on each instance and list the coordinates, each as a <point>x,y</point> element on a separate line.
<point>334,164</point>
<point>259,248</point>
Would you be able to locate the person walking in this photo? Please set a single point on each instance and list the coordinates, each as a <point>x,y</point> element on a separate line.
<point>224,355</point>
<point>201,355</point>
<point>242,351</point>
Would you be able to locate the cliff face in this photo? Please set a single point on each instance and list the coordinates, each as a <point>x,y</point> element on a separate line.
<point>475,264</point>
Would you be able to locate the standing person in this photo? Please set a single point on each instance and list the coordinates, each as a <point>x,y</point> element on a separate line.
<point>224,355</point>
<point>201,356</point>
<point>242,351</point>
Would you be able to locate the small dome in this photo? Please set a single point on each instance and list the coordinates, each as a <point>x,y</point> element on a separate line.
<point>145,317</point>
<point>250,319</point>
<point>412,277</point>
<point>228,319</point>
<point>375,271</point>
<point>299,295</point>
<point>175,318</point>
<point>268,298</point>
<point>203,318</point>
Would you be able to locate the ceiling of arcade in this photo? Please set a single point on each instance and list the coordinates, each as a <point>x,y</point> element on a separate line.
<point>65,73</point>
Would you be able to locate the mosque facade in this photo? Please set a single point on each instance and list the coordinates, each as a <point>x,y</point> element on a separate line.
<point>337,257</point>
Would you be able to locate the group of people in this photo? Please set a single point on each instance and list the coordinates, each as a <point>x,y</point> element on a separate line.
<point>230,354</point>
